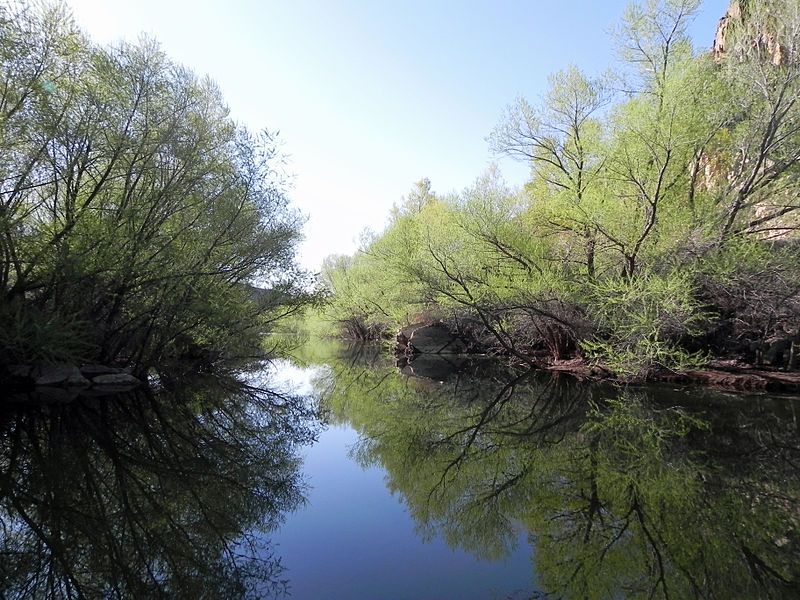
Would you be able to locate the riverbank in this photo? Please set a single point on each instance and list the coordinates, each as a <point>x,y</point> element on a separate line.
<point>719,374</point>
<point>437,339</point>
<point>63,382</point>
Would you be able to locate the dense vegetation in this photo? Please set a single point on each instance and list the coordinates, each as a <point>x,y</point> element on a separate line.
<point>659,226</point>
<point>135,216</point>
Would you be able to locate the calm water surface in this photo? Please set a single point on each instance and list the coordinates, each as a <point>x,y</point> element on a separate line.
<point>355,537</point>
<point>338,475</point>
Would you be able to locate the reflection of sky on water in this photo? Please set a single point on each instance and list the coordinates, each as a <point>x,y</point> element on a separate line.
<point>284,376</point>
<point>356,540</point>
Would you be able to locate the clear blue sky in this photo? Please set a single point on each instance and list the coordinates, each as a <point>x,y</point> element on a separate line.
<point>370,96</point>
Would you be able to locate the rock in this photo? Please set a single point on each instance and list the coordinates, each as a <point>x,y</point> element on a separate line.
<point>767,36</point>
<point>59,375</point>
<point>95,370</point>
<point>435,339</point>
<point>732,16</point>
<point>116,381</point>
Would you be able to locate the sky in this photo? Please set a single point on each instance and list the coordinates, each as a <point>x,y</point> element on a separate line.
<point>371,96</point>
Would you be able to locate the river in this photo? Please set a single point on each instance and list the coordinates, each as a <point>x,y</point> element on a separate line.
<point>336,474</point>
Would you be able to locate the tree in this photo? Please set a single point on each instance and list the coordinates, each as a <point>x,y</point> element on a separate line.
<point>135,215</point>
<point>562,140</point>
<point>660,221</point>
<point>419,197</point>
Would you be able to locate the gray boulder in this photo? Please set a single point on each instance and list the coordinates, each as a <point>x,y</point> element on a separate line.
<point>59,375</point>
<point>116,381</point>
<point>435,339</point>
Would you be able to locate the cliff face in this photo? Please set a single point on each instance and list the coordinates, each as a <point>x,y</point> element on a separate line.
<point>731,17</point>
<point>762,31</point>
<point>753,30</point>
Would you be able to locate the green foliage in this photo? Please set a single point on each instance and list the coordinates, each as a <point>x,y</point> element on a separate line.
<point>27,334</point>
<point>130,201</point>
<point>643,321</point>
<point>626,431</point>
<point>661,211</point>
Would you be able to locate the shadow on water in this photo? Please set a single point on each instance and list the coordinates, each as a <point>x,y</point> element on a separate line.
<point>623,493</point>
<point>149,495</point>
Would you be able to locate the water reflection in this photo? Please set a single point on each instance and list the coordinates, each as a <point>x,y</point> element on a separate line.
<point>147,496</point>
<point>624,493</point>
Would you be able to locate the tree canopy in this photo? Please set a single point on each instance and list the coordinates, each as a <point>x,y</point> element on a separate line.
<point>659,225</point>
<point>137,219</point>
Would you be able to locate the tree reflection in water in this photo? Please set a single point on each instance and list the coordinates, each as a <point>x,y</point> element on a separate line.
<point>147,496</point>
<point>624,494</point>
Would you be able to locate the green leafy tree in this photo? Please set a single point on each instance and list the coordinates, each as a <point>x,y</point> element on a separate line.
<point>134,212</point>
<point>659,216</point>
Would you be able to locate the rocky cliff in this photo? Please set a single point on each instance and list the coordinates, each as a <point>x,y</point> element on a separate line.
<point>763,32</point>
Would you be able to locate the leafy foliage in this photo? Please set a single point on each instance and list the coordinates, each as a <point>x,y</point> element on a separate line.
<point>648,185</point>
<point>131,202</point>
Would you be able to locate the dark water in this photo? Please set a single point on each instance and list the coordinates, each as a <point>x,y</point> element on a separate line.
<point>137,495</point>
<point>445,480</point>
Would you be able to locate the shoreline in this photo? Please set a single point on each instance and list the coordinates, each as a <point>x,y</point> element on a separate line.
<point>435,339</point>
<point>719,374</point>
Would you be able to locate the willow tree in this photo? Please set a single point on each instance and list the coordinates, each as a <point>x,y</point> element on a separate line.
<point>136,215</point>
<point>561,138</point>
<point>660,221</point>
